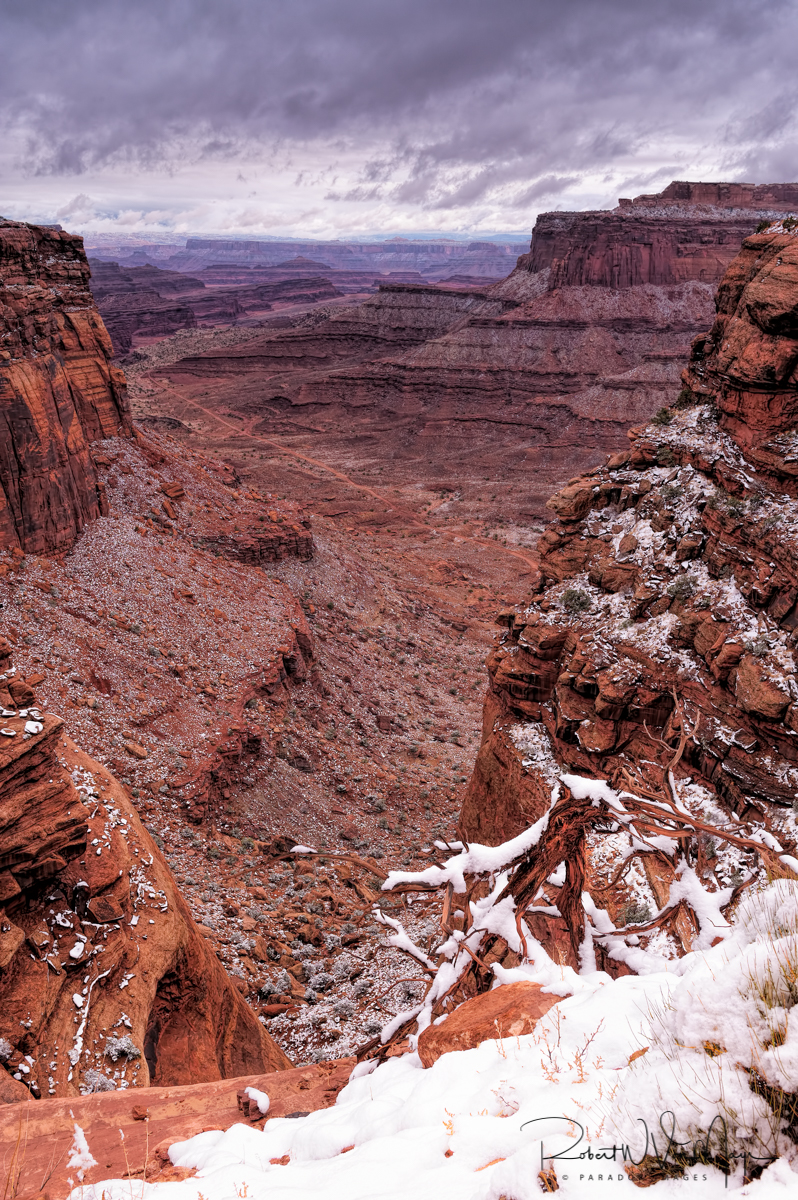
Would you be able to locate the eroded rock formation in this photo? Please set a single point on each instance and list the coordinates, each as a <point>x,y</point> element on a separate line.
<point>149,1123</point>
<point>658,652</point>
<point>543,371</point>
<point>59,390</point>
<point>146,302</point>
<point>105,980</point>
<point>634,246</point>
<point>775,196</point>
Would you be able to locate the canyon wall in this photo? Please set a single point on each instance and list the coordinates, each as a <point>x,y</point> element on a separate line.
<point>146,302</point>
<point>105,979</point>
<point>663,632</point>
<point>59,390</point>
<point>525,382</point>
<point>776,197</point>
<point>630,247</point>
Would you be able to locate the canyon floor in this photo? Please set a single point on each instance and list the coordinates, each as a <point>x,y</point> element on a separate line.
<point>365,755</point>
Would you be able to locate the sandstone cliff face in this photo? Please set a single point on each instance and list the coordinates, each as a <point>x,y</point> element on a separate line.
<point>627,248</point>
<point>664,630</point>
<point>748,363</point>
<point>105,980</point>
<point>767,196</point>
<point>58,389</point>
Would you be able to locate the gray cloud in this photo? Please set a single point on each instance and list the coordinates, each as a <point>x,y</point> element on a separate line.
<point>441,105</point>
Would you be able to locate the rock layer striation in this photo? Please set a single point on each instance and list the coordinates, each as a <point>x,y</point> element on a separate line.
<point>664,629</point>
<point>105,979</point>
<point>59,390</point>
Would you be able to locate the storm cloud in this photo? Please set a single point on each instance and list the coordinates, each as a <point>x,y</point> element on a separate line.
<point>364,115</point>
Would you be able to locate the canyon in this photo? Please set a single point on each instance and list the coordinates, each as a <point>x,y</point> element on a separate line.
<point>657,652</point>
<point>431,258</point>
<point>482,391</point>
<point>262,612</point>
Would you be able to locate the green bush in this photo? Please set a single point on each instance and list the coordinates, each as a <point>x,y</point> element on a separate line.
<point>575,600</point>
<point>635,913</point>
<point>687,398</point>
<point>663,417</point>
<point>681,588</point>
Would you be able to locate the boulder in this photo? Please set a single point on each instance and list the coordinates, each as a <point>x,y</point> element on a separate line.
<point>757,693</point>
<point>508,1011</point>
<point>573,502</point>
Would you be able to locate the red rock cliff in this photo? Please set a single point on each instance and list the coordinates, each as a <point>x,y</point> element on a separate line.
<point>630,247</point>
<point>748,363</point>
<point>773,196</point>
<point>105,979</point>
<point>661,645</point>
<point>58,389</point>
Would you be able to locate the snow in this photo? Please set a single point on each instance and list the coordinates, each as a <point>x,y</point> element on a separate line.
<point>476,859</point>
<point>480,1124</point>
<point>680,1037</point>
<point>80,1156</point>
<point>260,1098</point>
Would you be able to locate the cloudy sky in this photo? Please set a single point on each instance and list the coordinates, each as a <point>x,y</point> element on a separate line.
<point>337,118</point>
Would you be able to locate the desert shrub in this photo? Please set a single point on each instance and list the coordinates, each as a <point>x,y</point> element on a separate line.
<point>759,647</point>
<point>121,1047</point>
<point>575,600</point>
<point>687,398</point>
<point>663,417</point>
<point>681,588</point>
<point>635,913</point>
<point>721,1059</point>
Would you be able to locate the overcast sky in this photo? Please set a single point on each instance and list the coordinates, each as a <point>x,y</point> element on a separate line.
<point>330,118</point>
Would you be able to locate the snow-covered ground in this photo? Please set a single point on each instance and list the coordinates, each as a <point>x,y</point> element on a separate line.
<point>613,1071</point>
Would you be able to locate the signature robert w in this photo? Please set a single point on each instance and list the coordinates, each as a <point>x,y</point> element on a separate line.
<point>664,1148</point>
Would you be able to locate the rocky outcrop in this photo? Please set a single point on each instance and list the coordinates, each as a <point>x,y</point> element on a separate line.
<point>767,196</point>
<point>510,1011</point>
<point>664,631</point>
<point>630,247</point>
<point>149,1125</point>
<point>105,980</point>
<point>748,364</point>
<point>58,389</point>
